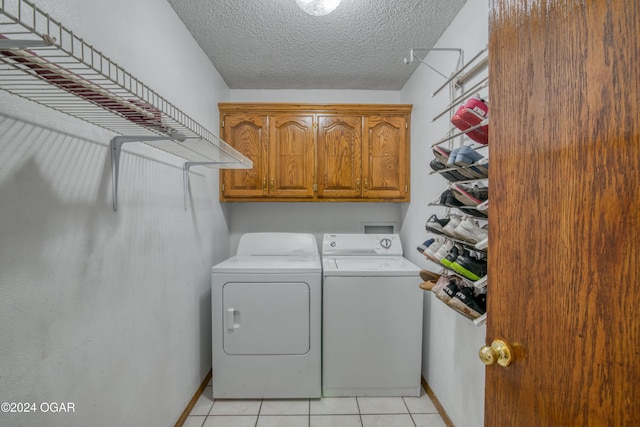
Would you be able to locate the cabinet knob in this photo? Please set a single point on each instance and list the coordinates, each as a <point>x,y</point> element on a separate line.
<point>358,184</point>
<point>264,184</point>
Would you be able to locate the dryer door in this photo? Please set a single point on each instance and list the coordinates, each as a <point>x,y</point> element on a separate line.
<point>266,318</point>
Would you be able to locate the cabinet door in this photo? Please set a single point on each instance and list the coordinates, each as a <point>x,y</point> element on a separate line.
<point>339,156</point>
<point>384,157</point>
<point>248,134</point>
<point>291,156</point>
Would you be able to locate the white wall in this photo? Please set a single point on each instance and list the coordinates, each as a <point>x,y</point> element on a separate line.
<point>308,217</point>
<point>451,343</point>
<point>110,311</point>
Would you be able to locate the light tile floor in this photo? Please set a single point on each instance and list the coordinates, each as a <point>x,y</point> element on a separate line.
<point>325,412</point>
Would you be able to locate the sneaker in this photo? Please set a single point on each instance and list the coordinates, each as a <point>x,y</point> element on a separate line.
<point>473,212</point>
<point>452,157</point>
<point>436,225</point>
<point>466,156</point>
<point>452,224</point>
<point>482,166</point>
<point>470,196</point>
<point>447,288</point>
<point>452,255</point>
<point>443,250</point>
<point>448,199</point>
<point>474,111</point>
<point>470,231</point>
<point>471,268</point>
<point>433,249</point>
<point>423,249</point>
<point>442,154</point>
<point>483,207</point>
<point>467,303</point>
<point>450,175</point>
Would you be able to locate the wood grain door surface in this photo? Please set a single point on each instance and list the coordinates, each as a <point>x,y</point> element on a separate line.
<point>339,156</point>
<point>291,157</point>
<point>247,133</point>
<point>564,272</point>
<point>384,153</point>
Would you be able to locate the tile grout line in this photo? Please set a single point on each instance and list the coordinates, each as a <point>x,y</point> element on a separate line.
<point>409,411</point>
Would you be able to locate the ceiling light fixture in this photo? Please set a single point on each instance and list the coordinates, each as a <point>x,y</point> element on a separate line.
<point>318,7</point>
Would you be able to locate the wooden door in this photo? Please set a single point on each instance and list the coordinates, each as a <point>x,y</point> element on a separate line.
<point>339,156</point>
<point>291,156</point>
<point>385,167</point>
<point>564,279</point>
<point>247,133</point>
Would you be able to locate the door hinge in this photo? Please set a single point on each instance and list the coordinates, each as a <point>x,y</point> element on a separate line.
<point>406,188</point>
<point>406,125</point>
<point>223,188</point>
<point>223,123</point>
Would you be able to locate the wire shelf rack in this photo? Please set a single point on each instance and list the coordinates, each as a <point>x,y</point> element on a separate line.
<point>45,62</point>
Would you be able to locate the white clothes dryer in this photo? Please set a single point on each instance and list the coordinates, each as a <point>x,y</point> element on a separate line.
<point>372,317</point>
<point>266,318</point>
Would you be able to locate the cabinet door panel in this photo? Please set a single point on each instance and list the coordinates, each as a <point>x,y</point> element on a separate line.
<point>291,163</point>
<point>385,152</point>
<point>339,156</point>
<point>247,134</point>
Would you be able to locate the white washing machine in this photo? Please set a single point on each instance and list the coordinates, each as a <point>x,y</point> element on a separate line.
<point>266,315</point>
<point>371,317</point>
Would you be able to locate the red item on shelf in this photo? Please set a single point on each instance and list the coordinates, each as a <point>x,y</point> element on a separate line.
<point>471,114</point>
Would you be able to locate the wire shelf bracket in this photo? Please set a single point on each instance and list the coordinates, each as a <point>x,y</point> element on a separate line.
<point>185,178</point>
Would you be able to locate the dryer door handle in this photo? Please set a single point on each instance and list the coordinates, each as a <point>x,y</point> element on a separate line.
<point>231,319</point>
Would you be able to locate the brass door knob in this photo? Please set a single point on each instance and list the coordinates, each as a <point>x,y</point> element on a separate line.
<point>499,352</point>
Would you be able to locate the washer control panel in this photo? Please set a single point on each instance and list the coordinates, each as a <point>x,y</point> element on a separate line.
<point>361,244</point>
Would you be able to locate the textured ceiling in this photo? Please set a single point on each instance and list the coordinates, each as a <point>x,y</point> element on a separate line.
<point>272,44</point>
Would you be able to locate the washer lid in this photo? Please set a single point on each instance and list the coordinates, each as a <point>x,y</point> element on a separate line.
<point>269,265</point>
<point>369,266</point>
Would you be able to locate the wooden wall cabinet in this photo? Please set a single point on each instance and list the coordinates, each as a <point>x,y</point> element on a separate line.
<point>309,152</point>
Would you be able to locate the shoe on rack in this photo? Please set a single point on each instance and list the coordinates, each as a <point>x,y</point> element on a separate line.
<point>427,275</point>
<point>435,224</point>
<point>469,230</point>
<point>483,207</point>
<point>433,249</point>
<point>467,303</point>
<point>442,154</point>
<point>450,175</point>
<point>448,199</point>
<point>473,212</point>
<point>452,255</point>
<point>472,113</point>
<point>452,157</point>
<point>443,249</point>
<point>470,196</point>
<point>466,156</point>
<point>446,288</point>
<point>469,267</point>
<point>452,224</point>
<point>482,166</point>
<point>427,286</point>
<point>423,249</point>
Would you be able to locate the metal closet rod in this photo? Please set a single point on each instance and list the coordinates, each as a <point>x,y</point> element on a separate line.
<point>412,56</point>
<point>479,125</point>
<point>457,73</point>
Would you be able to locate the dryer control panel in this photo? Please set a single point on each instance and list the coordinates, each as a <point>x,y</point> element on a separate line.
<point>361,244</point>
